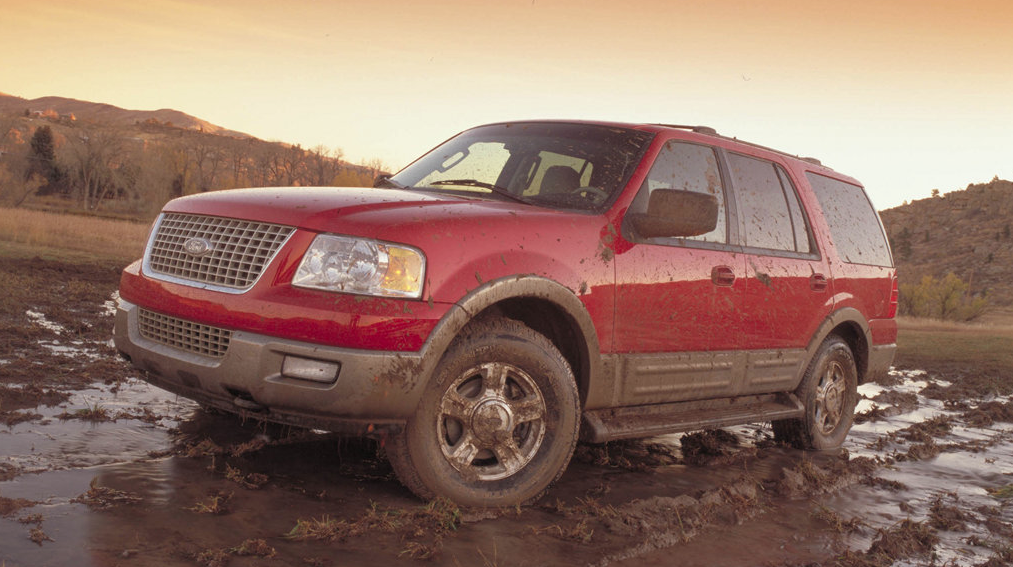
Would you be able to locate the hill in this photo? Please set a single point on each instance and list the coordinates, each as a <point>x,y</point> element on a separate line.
<point>966,232</point>
<point>108,114</point>
<point>106,160</point>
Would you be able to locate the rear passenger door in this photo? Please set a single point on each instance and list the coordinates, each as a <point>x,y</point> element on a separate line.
<point>785,293</point>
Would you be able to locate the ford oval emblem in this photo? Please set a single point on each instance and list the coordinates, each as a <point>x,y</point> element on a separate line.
<point>197,247</point>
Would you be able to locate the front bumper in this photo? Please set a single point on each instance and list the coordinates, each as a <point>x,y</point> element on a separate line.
<point>374,391</point>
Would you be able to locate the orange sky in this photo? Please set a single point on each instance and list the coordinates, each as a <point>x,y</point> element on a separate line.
<point>905,95</point>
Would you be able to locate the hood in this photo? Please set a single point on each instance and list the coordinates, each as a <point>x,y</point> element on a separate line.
<point>376,213</point>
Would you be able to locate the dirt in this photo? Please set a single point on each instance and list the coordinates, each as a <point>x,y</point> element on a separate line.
<point>99,468</point>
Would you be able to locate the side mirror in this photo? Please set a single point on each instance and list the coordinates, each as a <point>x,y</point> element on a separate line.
<point>676,214</point>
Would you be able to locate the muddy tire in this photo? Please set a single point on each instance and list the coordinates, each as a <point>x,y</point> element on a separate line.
<point>497,423</point>
<point>829,391</point>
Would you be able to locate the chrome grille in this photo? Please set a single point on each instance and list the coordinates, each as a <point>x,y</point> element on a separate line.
<point>182,334</point>
<point>237,254</point>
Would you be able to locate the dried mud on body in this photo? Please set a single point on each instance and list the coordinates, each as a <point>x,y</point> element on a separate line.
<point>99,468</point>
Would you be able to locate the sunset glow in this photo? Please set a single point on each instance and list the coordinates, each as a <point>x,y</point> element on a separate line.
<point>905,95</point>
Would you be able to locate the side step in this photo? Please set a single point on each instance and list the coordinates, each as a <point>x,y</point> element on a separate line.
<point>659,419</point>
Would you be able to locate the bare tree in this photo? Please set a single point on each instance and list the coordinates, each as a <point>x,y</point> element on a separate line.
<point>323,165</point>
<point>207,159</point>
<point>95,156</point>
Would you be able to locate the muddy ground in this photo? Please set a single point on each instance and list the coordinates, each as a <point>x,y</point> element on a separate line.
<point>98,468</point>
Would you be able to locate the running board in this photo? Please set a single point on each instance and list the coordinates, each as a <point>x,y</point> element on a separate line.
<point>659,419</point>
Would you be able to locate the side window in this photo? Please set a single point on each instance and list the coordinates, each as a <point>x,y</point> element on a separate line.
<point>687,167</point>
<point>803,241</point>
<point>854,225</point>
<point>769,212</point>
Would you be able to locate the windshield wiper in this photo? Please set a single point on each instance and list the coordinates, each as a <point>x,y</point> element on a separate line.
<point>490,186</point>
<point>385,180</point>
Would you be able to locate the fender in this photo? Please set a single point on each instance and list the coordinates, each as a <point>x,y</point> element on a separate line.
<point>853,328</point>
<point>587,366</point>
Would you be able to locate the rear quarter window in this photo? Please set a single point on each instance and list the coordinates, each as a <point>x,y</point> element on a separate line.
<point>854,225</point>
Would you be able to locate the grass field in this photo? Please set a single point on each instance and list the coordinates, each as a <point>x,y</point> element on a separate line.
<point>70,237</point>
<point>930,343</point>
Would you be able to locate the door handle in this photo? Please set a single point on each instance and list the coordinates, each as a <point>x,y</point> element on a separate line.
<point>722,276</point>
<point>818,282</point>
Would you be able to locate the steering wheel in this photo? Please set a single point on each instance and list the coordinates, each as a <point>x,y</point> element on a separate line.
<point>593,194</point>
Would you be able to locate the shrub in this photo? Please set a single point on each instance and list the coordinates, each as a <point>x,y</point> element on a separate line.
<point>946,299</point>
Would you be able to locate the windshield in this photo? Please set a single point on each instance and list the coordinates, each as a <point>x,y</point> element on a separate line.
<point>567,166</point>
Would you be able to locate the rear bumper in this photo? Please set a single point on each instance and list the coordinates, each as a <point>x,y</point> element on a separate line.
<point>373,390</point>
<point>880,361</point>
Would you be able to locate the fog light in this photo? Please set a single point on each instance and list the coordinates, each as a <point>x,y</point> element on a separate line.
<point>309,369</point>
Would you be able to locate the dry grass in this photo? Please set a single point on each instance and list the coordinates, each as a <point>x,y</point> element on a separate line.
<point>946,345</point>
<point>1000,325</point>
<point>47,234</point>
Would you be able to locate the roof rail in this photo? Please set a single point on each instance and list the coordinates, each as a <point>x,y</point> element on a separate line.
<point>698,129</point>
<point>712,132</point>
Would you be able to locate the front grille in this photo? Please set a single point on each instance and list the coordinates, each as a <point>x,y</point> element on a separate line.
<point>182,334</point>
<point>237,254</point>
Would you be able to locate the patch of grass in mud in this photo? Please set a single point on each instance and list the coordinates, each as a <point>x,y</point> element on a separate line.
<point>104,497</point>
<point>988,413</point>
<point>215,504</point>
<point>251,481</point>
<point>95,413</point>
<point>9,506</point>
<point>30,396</point>
<point>836,522</point>
<point>904,540</point>
<point>1002,493</point>
<point>703,447</point>
<point>12,418</point>
<point>631,455</point>
<point>219,557</point>
<point>943,516</point>
<point>422,529</point>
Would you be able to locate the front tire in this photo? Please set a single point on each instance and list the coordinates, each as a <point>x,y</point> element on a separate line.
<point>829,392</point>
<point>497,423</point>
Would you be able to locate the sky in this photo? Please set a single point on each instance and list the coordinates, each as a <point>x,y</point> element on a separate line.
<point>905,95</point>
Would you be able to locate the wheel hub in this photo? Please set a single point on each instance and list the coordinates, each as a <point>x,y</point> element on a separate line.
<point>491,420</point>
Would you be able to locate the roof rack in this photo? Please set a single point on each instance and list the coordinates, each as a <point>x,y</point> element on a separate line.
<point>712,132</point>
<point>697,129</point>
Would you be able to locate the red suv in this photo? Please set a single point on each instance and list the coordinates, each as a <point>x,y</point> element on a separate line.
<point>519,287</point>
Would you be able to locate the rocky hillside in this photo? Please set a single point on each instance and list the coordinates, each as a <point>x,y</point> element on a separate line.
<point>71,110</point>
<point>965,232</point>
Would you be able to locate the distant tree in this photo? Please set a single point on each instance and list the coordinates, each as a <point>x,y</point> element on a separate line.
<point>935,192</point>
<point>43,160</point>
<point>323,165</point>
<point>17,184</point>
<point>902,244</point>
<point>95,160</point>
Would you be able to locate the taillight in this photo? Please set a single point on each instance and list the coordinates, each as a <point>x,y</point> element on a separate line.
<point>894,294</point>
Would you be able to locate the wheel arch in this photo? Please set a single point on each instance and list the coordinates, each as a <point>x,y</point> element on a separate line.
<point>853,328</point>
<point>546,306</point>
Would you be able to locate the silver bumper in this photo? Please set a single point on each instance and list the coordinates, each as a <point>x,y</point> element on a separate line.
<point>373,390</point>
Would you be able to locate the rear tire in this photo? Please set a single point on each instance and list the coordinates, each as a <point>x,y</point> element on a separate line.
<point>497,423</point>
<point>829,392</point>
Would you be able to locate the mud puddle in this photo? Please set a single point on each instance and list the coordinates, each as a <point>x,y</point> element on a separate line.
<point>98,468</point>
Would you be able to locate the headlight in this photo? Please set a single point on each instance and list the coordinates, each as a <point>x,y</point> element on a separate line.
<point>358,265</point>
